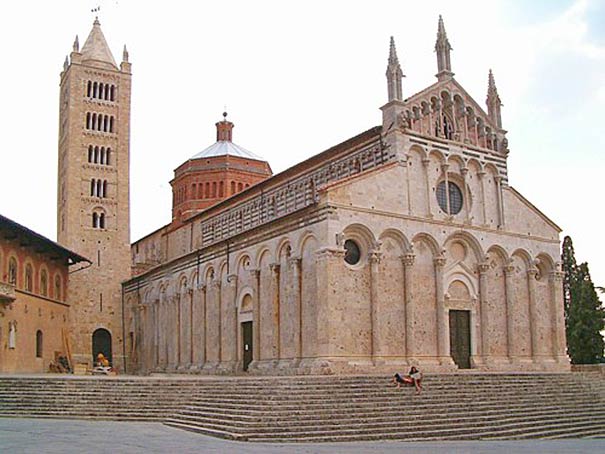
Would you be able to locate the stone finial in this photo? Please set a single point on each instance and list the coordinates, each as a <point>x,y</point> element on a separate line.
<point>76,46</point>
<point>493,101</point>
<point>443,48</point>
<point>66,63</point>
<point>394,74</point>
<point>125,54</point>
<point>96,22</point>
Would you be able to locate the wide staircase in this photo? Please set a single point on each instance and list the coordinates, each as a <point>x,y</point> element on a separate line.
<point>328,408</point>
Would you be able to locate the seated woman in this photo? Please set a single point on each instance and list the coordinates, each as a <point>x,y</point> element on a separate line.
<point>102,365</point>
<point>414,378</point>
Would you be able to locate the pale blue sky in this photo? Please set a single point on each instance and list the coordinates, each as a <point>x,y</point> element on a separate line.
<point>299,77</point>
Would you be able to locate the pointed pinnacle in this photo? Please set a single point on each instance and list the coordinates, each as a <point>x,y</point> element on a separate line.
<point>66,63</point>
<point>441,28</point>
<point>76,46</point>
<point>491,84</point>
<point>393,60</point>
<point>96,22</point>
<point>125,54</point>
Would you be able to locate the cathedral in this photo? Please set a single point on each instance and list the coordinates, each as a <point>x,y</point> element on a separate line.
<point>404,245</point>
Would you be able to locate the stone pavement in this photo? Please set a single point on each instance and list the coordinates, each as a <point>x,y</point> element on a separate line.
<point>76,436</point>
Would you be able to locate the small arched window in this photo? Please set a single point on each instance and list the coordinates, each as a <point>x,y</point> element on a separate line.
<point>58,286</point>
<point>93,187</point>
<point>233,187</point>
<point>95,88</point>
<point>102,220</point>
<point>90,153</point>
<point>39,343</point>
<point>108,156</point>
<point>87,120</point>
<point>111,124</point>
<point>29,278</point>
<point>104,188</point>
<point>113,92</point>
<point>12,271</point>
<point>95,220</point>
<point>220,189</point>
<point>88,88</point>
<point>43,283</point>
<point>102,156</point>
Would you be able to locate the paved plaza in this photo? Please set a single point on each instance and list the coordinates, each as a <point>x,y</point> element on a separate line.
<point>51,436</point>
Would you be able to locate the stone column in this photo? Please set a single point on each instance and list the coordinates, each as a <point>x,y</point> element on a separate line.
<point>406,163</point>
<point>233,316</point>
<point>408,263</point>
<point>219,319</point>
<point>467,205</point>
<point>444,169</point>
<point>442,328</point>
<point>509,271</point>
<point>256,323</point>
<point>185,329</point>
<point>425,164</point>
<point>484,340</point>
<point>559,341</point>
<point>500,201</point>
<point>173,333</point>
<point>532,272</point>
<point>374,259</point>
<point>156,334</point>
<point>202,349</point>
<point>275,294</point>
<point>481,174</point>
<point>295,263</point>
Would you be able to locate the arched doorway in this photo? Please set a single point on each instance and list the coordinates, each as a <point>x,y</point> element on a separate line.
<point>101,343</point>
<point>247,331</point>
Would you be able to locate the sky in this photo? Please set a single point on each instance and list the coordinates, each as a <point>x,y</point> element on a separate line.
<point>299,77</point>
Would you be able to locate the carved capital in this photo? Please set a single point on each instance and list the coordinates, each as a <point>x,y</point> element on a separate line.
<point>532,272</point>
<point>426,162</point>
<point>445,167</point>
<point>274,267</point>
<point>254,273</point>
<point>464,172</point>
<point>556,276</point>
<point>203,287</point>
<point>295,261</point>
<point>481,174</point>
<point>483,267</point>
<point>232,279</point>
<point>408,260</point>
<point>374,257</point>
<point>439,261</point>
<point>509,269</point>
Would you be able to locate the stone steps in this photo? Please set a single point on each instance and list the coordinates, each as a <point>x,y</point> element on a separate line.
<point>327,408</point>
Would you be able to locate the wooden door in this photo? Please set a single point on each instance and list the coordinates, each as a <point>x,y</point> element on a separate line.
<point>460,338</point>
<point>247,343</point>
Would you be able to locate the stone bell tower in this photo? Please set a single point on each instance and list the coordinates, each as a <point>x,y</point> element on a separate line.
<point>93,214</point>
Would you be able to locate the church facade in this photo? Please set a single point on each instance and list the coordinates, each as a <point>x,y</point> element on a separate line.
<point>403,245</point>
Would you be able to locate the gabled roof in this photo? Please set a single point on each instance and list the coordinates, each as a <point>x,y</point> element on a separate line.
<point>96,49</point>
<point>459,89</point>
<point>226,148</point>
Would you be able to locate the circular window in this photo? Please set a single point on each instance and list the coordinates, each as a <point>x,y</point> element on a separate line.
<point>455,197</point>
<point>352,254</point>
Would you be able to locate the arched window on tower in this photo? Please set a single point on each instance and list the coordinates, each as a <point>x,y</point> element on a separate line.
<point>207,191</point>
<point>102,221</point>
<point>101,90</point>
<point>93,187</point>
<point>213,189</point>
<point>220,189</point>
<point>108,156</point>
<point>87,120</point>
<point>111,124</point>
<point>104,188</point>
<point>232,187</point>
<point>240,187</point>
<point>102,156</point>
<point>88,88</point>
<point>93,121</point>
<point>95,89</point>
<point>90,153</point>
<point>95,220</point>
<point>113,93</point>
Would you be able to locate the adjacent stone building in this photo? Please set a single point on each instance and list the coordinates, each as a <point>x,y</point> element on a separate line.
<point>403,245</point>
<point>34,311</point>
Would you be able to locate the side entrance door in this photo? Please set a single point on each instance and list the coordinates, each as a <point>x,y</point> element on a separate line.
<point>247,343</point>
<point>460,338</point>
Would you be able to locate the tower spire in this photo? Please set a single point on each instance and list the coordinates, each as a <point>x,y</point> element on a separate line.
<point>443,48</point>
<point>394,74</point>
<point>76,46</point>
<point>493,101</point>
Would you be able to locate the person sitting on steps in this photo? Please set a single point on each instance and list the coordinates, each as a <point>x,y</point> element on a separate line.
<point>414,378</point>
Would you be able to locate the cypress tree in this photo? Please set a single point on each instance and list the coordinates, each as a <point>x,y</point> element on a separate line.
<point>585,319</point>
<point>569,267</point>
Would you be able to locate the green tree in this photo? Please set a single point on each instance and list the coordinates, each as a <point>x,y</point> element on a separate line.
<point>569,267</point>
<point>585,318</point>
